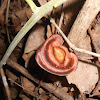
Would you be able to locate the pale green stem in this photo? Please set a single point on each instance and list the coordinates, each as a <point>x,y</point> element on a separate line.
<point>32,5</point>
<point>39,13</point>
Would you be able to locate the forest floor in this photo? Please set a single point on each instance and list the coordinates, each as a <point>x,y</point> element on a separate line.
<point>26,80</point>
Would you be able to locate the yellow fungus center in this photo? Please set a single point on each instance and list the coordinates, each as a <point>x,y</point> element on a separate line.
<point>59,54</point>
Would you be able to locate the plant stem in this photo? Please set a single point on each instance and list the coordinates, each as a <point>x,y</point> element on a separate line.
<point>39,13</point>
<point>32,5</point>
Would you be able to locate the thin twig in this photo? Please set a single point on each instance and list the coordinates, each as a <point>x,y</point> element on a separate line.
<point>30,92</point>
<point>72,45</point>
<point>5,83</point>
<point>7,14</point>
<point>61,18</point>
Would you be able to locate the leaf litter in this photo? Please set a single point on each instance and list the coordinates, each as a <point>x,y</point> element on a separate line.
<point>86,75</point>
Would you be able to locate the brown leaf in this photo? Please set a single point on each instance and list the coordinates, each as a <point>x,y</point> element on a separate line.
<point>42,2</point>
<point>2,21</point>
<point>91,99</point>
<point>85,77</point>
<point>2,47</point>
<point>3,7</point>
<point>53,98</point>
<point>21,15</point>
<point>43,94</point>
<point>28,84</point>
<point>24,97</point>
<point>28,12</point>
<point>85,43</point>
<point>53,29</point>
<point>94,31</point>
<point>12,76</point>
<point>49,33</point>
<point>34,41</point>
<point>16,22</point>
<point>13,92</point>
<point>71,9</point>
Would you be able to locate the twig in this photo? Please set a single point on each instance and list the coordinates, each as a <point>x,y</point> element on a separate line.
<point>7,13</point>
<point>61,18</point>
<point>30,92</point>
<point>50,87</point>
<point>72,45</point>
<point>5,83</point>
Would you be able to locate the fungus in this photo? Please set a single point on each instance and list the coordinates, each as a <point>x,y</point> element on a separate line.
<point>55,58</point>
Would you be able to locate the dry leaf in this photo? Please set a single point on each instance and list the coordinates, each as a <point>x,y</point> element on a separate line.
<point>2,47</point>
<point>24,97</point>
<point>53,28</point>
<point>2,21</point>
<point>21,15</point>
<point>34,41</point>
<point>3,5</point>
<point>71,9</point>
<point>53,98</point>
<point>91,99</point>
<point>13,92</point>
<point>85,43</point>
<point>85,77</point>
<point>28,12</point>
<point>49,33</point>
<point>28,84</point>
<point>43,94</point>
<point>42,2</point>
<point>94,31</point>
<point>16,22</point>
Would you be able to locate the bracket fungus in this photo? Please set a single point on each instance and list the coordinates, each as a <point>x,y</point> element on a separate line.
<point>55,58</point>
